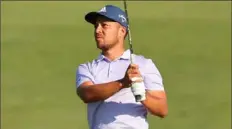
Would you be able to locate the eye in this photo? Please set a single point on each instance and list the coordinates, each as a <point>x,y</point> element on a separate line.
<point>95,26</point>
<point>105,25</point>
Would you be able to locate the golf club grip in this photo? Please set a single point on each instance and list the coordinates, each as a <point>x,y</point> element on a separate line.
<point>138,98</point>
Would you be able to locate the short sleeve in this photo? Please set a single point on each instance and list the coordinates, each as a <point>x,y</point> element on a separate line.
<point>152,77</point>
<point>83,74</point>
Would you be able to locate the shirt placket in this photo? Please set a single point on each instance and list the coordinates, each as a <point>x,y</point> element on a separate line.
<point>109,69</point>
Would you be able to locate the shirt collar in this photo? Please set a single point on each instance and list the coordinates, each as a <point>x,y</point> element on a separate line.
<point>125,56</point>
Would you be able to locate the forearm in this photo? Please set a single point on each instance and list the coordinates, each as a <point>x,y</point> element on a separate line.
<point>156,105</point>
<point>99,92</point>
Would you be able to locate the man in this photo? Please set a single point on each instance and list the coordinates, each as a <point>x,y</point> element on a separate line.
<point>104,83</point>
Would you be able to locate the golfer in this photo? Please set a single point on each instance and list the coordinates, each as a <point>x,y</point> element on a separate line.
<point>104,83</point>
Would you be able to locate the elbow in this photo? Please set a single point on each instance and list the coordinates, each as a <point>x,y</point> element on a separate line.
<point>86,98</point>
<point>86,101</point>
<point>91,99</point>
<point>161,113</point>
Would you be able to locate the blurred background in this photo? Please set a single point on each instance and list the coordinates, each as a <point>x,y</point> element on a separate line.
<point>42,43</point>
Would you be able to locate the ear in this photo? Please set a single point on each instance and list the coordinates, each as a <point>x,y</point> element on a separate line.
<point>123,31</point>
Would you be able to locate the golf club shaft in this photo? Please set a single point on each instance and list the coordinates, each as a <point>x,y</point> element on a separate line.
<point>138,97</point>
<point>129,33</point>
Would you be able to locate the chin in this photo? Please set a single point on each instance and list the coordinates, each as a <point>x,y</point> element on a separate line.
<point>102,47</point>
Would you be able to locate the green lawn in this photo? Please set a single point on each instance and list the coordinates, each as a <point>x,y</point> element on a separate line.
<point>42,43</point>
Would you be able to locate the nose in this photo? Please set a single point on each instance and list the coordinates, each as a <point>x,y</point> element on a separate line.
<point>98,29</point>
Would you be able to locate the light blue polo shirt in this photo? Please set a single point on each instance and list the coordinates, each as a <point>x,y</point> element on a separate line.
<point>119,111</point>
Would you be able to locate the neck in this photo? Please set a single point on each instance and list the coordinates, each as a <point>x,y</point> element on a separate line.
<point>113,53</point>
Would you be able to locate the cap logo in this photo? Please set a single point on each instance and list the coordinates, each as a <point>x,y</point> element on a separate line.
<point>103,9</point>
<point>123,19</point>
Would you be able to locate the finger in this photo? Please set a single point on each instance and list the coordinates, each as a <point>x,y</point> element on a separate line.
<point>135,71</point>
<point>134,66</point>
<point>132,71</point>
<point>132,76</point>
<point>135,76</point>
<point>136,79</point>
<point>139,80</point>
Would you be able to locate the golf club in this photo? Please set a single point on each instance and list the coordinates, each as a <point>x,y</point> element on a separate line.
<point>138,96</point>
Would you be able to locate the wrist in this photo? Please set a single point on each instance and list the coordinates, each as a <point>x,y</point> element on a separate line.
<point>145,101</point>
<point>121,85</point>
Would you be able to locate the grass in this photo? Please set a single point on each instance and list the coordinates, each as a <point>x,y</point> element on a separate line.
<point>42,43</point>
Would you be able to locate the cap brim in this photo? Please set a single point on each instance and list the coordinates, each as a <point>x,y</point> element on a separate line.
<point>91,17</point>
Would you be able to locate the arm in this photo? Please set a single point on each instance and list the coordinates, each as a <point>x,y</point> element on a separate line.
<point>156,100</point>
<point>156,103</point>
<point>89,92</point>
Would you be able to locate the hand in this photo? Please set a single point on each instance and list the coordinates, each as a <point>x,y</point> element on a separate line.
<point>131,73</point>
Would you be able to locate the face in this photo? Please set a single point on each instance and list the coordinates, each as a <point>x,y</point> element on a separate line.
<point>108,33</point>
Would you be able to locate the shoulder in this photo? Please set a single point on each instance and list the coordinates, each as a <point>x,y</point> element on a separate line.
<point>88,65</point>
<point>146,65</point>
<point>142,60</point>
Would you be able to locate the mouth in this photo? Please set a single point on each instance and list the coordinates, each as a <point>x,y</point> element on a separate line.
<point>99,37</point>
